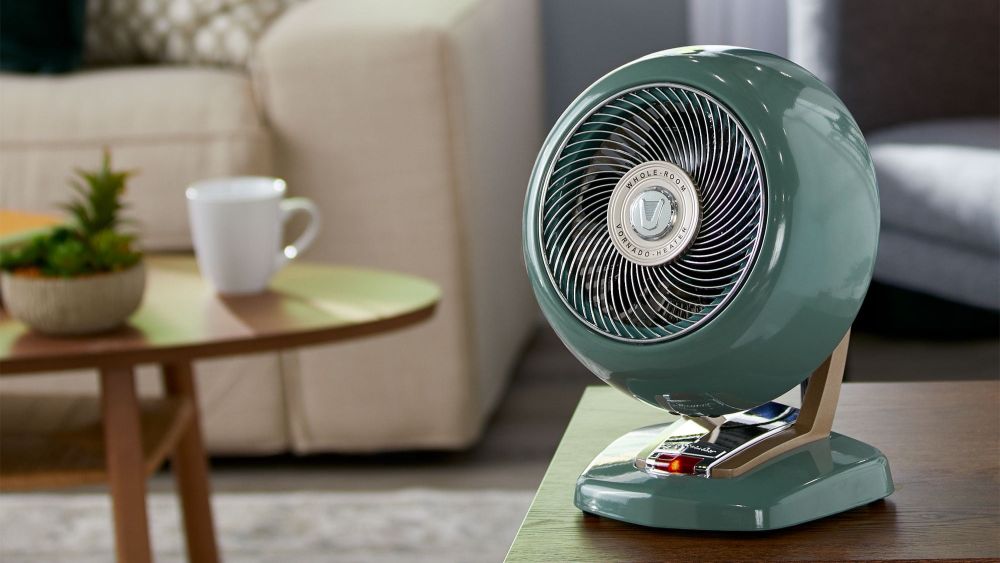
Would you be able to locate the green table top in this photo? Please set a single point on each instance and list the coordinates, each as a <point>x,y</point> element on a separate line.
<point>182,317</point>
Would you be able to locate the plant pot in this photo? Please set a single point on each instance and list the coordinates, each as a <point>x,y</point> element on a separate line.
<point>73,306</point>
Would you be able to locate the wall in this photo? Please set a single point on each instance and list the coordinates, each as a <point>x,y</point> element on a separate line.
<point>760,24</point>
<point>585,39</point>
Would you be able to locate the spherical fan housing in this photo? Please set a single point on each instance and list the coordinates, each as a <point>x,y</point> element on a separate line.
<point>700,227</point>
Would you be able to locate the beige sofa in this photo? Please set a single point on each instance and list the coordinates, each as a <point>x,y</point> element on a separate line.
<point>412,124</point>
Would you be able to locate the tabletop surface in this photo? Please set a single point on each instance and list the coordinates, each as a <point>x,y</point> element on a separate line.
<point>182,317</point>
<point>941,439</point>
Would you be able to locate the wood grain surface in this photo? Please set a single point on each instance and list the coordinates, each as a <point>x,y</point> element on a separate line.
<point>941,439</point>
<point>182,318</point>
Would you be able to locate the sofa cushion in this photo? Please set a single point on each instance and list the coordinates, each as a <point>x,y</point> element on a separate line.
<point>942,179</point>
<point>172,125</point>
<point>939,185</point>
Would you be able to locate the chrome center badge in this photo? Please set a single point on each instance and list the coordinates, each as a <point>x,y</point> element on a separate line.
<point>654,213</point>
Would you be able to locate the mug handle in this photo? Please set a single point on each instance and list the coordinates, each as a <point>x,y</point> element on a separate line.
<point>290,207</point>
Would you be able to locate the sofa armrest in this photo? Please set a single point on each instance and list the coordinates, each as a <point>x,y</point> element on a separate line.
<point>413,125</point>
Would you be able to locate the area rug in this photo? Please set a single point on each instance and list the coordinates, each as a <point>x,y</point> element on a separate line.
<point>304,527</point>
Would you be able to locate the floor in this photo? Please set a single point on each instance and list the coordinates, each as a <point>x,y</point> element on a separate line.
<point>529,422</point>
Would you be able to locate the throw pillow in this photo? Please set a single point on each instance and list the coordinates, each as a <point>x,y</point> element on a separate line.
<point>213,32</point>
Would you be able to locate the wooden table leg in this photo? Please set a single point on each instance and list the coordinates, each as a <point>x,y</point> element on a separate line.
<point>123,453</point>
<point>190,467</point>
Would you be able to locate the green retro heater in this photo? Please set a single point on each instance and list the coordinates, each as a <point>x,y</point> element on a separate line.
<point>700,229</point>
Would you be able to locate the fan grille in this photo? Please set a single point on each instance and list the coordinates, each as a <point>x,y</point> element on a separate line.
<point>607,291</point>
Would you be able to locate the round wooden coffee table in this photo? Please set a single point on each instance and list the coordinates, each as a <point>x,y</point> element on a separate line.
<point>182,319</point>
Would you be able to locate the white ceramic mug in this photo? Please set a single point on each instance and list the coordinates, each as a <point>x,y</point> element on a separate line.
<point>237,226</point>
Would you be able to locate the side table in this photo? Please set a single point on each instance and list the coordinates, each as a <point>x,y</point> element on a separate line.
<point>181,320</point>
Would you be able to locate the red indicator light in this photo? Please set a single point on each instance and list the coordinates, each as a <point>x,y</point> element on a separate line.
<point>662,461</point>
<point>673,463</point>
<point>683,464</point>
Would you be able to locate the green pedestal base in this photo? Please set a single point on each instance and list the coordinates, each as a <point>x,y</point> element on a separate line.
<point>816,480</point>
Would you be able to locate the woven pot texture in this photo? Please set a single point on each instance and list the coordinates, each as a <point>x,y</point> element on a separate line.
<point>74,306</point>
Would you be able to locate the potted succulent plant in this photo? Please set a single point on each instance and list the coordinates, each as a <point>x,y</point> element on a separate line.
<point>85,277</point>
